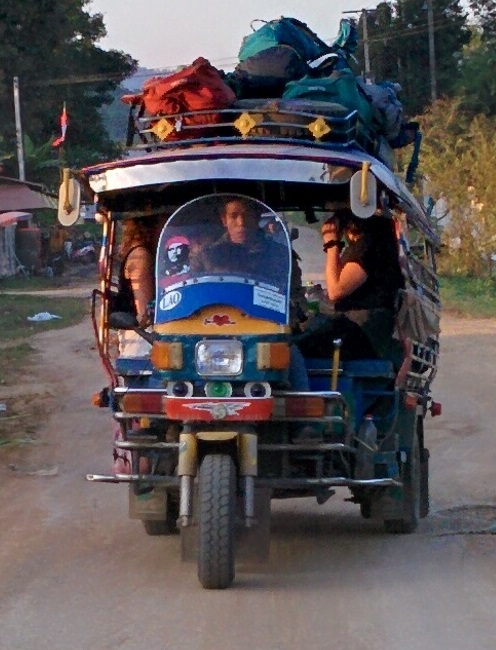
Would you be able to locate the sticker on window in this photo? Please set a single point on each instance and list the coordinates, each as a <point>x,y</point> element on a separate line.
<point>269,299</point>
<point>170,300</point>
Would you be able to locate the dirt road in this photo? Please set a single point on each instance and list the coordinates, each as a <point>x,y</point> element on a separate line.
<point>76,574</point>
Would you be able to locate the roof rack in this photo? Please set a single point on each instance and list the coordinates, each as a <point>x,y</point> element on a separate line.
<point>320,124</point>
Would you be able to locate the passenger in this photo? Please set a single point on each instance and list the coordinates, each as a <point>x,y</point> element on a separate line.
<point>136,291</point>
<point>136,280</point>
<point>246,248</point>
<point>363,281</point>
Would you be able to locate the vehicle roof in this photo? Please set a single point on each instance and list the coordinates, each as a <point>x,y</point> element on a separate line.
<point>294,163</point>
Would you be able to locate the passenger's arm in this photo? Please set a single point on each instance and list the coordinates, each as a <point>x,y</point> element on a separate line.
<point>340,280</point>
<point>139,270</point>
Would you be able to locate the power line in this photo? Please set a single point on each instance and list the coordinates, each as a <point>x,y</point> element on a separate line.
<point>95,78</point>
<point>410,31</point>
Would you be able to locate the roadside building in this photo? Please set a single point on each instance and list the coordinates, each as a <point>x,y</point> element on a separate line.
<point>20,236</point>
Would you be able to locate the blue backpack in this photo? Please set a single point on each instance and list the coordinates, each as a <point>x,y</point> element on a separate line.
<point>283,31</point>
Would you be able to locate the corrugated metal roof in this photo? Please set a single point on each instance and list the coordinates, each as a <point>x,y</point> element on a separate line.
<point>18,195</point>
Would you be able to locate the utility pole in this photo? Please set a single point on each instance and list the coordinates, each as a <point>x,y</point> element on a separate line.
<point>432,51</point>
<point>365,36</point>
<point>19,135</point>
<point>366,52</point>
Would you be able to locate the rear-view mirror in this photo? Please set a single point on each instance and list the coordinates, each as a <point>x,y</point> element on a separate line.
<point>363,193</point>
<point>69,204</point>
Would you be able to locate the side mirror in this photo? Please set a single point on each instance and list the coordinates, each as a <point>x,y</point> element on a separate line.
<point>122,320</point>
<point>69,204</point>
<point>363,192</point>
<point>294,234</point>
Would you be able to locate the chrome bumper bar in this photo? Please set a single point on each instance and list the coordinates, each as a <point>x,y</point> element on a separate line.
<point>281,483</point>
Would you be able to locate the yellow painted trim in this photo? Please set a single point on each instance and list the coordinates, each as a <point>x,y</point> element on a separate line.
<point>319,128</point>
<point>247,448</point>
<point>188,455</point>
<point>364,188</point>
<point>208,436</point>
<point>202,323</point>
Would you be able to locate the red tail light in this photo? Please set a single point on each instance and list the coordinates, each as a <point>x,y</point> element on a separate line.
<point>143,403</point>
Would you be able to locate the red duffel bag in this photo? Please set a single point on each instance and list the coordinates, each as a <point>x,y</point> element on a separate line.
<point>198,87</point>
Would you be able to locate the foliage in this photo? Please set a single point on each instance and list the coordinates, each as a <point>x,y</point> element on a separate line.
<point>469,297</point>
<point>485,15</point>
<point>458,161</point>
<point>14,310</point>
<point>115,116</point>
<point>50,45</point>
<point>399,47</point>
<point>477,83</point>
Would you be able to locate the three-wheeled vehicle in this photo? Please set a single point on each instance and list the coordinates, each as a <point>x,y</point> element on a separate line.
<point>210,407</point>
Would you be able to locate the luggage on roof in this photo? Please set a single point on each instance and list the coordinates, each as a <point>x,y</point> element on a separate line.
<point>283,31</point>
<point>198,87</point>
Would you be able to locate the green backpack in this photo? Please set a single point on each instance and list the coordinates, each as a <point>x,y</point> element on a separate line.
<point>283,31</point>
<point>340,87</point>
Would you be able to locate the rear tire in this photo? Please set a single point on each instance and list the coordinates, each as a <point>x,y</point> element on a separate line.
<point>216,521</point>
<point>411,494</point>
<point>424,483</point>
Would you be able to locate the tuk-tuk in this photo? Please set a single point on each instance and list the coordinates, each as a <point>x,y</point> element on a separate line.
<point>210,407</point>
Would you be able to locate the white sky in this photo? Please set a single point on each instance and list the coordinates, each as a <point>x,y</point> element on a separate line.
<point>167,33</point>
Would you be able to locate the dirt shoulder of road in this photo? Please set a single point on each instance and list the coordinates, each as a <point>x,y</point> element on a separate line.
<point>30,390</point>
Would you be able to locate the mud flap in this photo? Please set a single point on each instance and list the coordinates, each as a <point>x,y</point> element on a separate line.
<point>149,504</point>
<point>252,544</point>
<point>388,504</point>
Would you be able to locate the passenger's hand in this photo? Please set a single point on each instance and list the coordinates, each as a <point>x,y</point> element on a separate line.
<point>331,229</point>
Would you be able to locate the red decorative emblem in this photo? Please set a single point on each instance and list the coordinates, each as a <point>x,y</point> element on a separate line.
<point>191,409</point>
<point>219,319</point>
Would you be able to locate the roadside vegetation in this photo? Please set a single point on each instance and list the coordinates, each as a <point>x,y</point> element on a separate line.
<point>469,297</point>
<point>15,310</point>
<point>22,410</point>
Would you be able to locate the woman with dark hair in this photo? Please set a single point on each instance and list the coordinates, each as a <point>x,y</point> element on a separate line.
<point>136,291</point>
<point>367,274</point>
<point>363,278</point>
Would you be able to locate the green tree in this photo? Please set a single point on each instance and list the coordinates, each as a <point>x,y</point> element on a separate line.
<point>457,159</point>
<point>383,48</point>
<point>50,45</point>
<point>399,47</point>
<point>116,115</point>
<point>477,83</point>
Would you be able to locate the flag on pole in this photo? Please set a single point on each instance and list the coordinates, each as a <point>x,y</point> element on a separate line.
<point>63,128</point>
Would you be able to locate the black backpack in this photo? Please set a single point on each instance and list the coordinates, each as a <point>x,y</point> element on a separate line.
<point>266,74</point>
<point>275,53</point>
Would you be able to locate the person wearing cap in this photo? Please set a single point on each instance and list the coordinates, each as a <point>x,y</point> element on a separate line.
<point>177,262</point>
